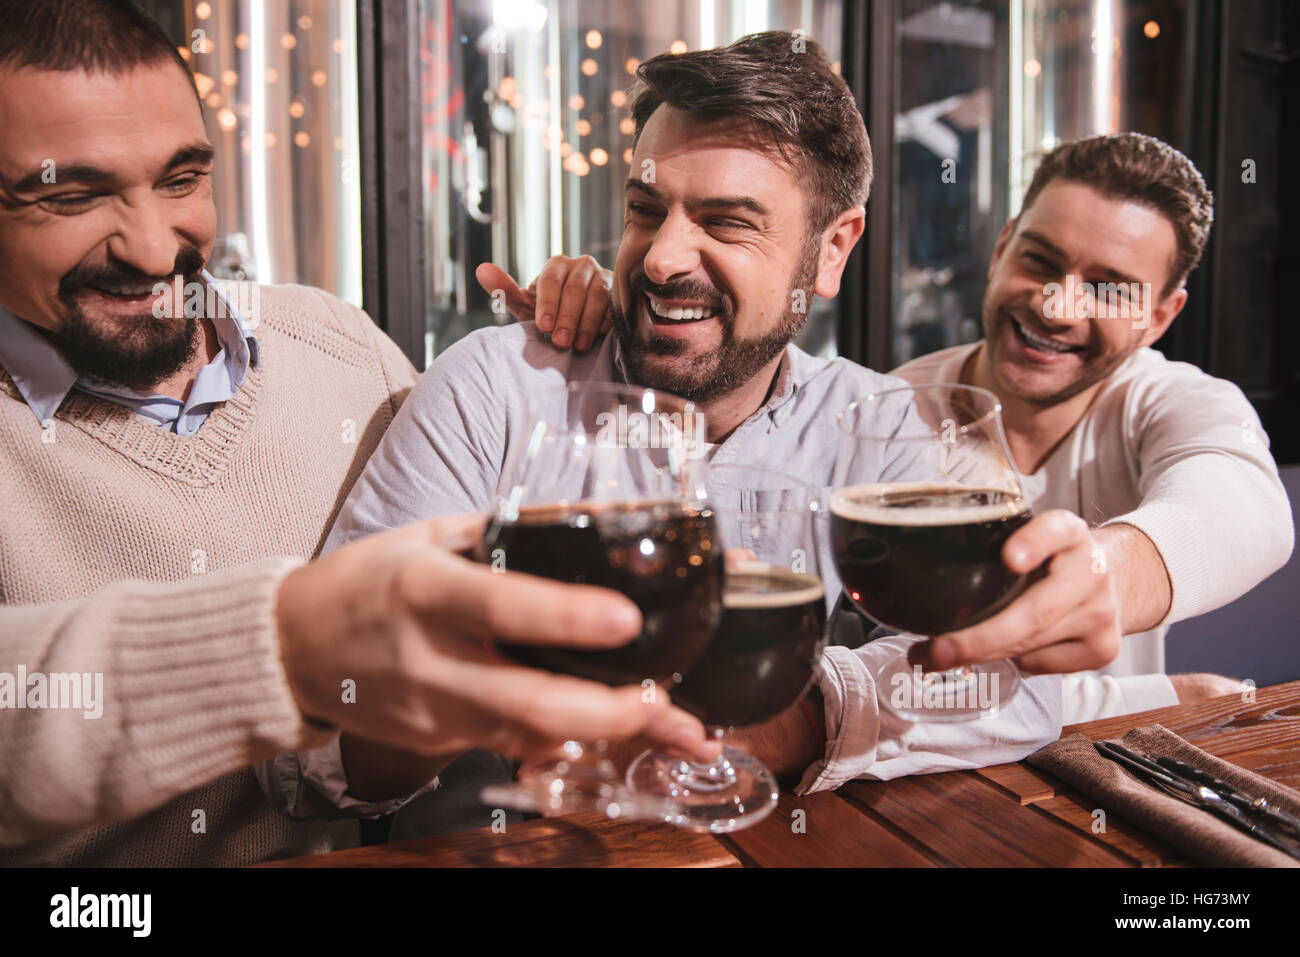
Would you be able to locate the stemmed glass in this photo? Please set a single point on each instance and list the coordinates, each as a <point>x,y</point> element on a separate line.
<point>605,490</point>
<point>764,655</point>
<point>927,494</point>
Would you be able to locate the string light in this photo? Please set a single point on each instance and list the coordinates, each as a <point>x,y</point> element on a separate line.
<point>599,156</point>
<point>1151,29</point>
<point>288,41</point>
<point>594,39</point>
<point>589,67</point>
<point>302,139</point>
<point>584,128</point>
<point>576,102</point>
<point>618,98</point>
<point>203,10</point>
<point>227,119</point>
<point>678,47</point>
<point>631,64</point>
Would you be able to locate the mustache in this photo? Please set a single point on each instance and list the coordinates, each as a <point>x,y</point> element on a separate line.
<point>189,263</point>
<point>681,289</point>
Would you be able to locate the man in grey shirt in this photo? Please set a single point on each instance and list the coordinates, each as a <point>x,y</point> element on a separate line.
<point>750,175</point>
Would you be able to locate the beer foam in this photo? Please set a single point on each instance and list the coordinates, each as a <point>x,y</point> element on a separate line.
<point>783,587</point>
<point>848,504</point>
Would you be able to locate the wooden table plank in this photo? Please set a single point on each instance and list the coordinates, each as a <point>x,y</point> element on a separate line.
<point>1221,726</point>
<point>966,821</point>
<point>585,840</point>
<point>1280,762</point>
<point>1027,785</point>
<point>831,832</point>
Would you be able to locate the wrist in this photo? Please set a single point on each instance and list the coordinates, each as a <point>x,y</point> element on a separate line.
<point>289,599</point>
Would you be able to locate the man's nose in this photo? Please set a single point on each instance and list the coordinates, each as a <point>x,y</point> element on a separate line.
<point>146,239</point>
<point>674,252</point>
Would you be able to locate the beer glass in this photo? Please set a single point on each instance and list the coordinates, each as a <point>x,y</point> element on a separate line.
<point>764,655</point>
<point>604,489</point>
<point>926,495</point>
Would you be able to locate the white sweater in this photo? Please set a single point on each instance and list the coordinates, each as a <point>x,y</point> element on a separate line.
<point>1182,456</point>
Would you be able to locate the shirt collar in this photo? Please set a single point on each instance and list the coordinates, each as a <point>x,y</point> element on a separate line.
<point>44,378</point>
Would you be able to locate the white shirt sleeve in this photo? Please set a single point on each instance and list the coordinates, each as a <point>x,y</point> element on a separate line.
<point>1212,501</point>
<point>864,741</point>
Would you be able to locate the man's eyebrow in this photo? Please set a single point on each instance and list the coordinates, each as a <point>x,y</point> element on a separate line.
<point>83,174</point>
<point>200,153</point>
<point>64,175</point>
<point>711,202</point>
<point>1105,271</point>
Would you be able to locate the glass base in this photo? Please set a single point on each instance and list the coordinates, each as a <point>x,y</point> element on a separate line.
<point>945,697</point>
<point>583,781</point>
<point>734,792</point>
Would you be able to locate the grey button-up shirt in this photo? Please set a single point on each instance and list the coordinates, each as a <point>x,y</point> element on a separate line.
<point>444,453</point>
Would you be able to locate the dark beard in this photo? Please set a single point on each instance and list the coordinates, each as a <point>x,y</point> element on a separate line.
<point>733,362</point>
<point>135,353</point>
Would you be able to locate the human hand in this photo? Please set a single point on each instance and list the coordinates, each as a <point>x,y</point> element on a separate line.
<point>1068,620</point>
<point>408,620</point>
<point>569,298</point>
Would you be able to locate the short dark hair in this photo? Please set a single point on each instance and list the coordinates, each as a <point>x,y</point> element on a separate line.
<point>97,36</point>
<point>1141,168</point>
<point>785,83</point>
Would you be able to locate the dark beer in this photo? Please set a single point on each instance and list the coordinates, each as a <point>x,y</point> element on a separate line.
<point>926,559</point>
<point>664,556</point>
<point>763,655</point>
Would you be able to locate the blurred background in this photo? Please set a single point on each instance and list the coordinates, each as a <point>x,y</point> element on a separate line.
<point>382,149</point>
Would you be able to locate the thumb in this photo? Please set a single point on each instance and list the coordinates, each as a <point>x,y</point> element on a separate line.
<point>492,277</point>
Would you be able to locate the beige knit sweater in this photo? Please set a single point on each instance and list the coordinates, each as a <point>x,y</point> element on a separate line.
<point>155,560</point>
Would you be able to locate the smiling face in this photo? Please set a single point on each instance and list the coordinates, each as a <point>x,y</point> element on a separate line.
<point>713,248</point>
<point>1042,353</point>
<point>104,192</point>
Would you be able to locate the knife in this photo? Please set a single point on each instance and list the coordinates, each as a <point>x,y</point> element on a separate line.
<point>1198,794</point>
<point>1243,800</point>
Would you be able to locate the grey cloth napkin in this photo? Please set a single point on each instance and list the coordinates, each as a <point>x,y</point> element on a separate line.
<point>1202,836</point>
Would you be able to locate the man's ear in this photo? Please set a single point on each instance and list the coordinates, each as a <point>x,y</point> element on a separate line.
<point>838,241</point>
<point>1162,316</point>
<point>1004,237</point>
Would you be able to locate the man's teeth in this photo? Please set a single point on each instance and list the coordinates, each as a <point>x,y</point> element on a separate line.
<point>1047,345</point>
<point>676,313</point>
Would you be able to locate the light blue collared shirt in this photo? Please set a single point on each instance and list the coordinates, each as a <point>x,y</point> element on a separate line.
<point>44,378</point>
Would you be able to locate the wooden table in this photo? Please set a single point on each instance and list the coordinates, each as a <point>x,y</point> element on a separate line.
<point>1008,815</point>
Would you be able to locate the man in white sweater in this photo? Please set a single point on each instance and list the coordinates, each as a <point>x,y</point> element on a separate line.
<point>1171,463</point>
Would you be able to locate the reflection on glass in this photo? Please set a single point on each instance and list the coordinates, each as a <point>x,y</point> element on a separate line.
<point>984,89</point>
<point>527,134</point>
<point>278,80</point>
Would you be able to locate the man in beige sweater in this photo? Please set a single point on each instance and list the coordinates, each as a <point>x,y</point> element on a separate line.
<point>167,477</point>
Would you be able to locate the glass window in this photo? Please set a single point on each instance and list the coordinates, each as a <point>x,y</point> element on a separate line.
<point>983,89</point>
<point>527,135</point>
<point>279,83</point>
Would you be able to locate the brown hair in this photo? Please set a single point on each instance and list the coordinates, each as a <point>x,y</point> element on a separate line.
<point>96,36</point>
<point>1144,169</point>
<point>785,83</point>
